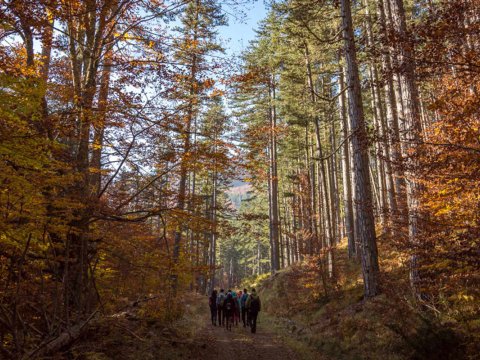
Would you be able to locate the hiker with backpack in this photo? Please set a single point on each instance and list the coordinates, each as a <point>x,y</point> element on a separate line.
<point>229,310</point>
<point>212,302</point>
<point>220,312</point>
<point>243,308</point>
<point>238,307</point>
<point>253,306</point>
<point>235,310</point>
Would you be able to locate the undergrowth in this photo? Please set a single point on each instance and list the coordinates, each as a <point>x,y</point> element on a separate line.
<point>337,323</point>
<point>141,333</point>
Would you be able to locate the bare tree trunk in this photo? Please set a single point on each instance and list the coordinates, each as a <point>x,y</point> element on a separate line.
<point>330,208</point>
<point>185,134</point>
<point>287,231</point>
<point>313,197</point>
<point>334,181</point>
<point>411,130</point>
<point>47,40</point>
<point>301,216</point>
<point>393,163</point>
<point>308,195</point>
<point>323,172</point>
<point>296,256</point>
<point>213,239</point>
<point>181,199</point>
<point>99,124</point>
<point>90,30</point>
<point>270,215</point>
<point>283,229</point>
<point>192,207</point>
<point>367,237</point>
<point>347,183</point>
<point>274,178</point>
<point>378,117</point>
<point>379,149</point>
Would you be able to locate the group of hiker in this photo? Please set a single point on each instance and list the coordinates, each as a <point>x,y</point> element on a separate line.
<point>231,307</point>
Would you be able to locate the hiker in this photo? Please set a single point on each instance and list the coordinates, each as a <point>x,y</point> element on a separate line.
<point>220,301</point>
<point>238,309</point>
<point>212,302</point>
<point>253,305</point>
<point>229,310</point>
<point>235,299</point>
<point>243,300</point>
<point>224,312</point>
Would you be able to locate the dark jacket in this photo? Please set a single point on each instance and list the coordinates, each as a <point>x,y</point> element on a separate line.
<point>244,300</point>
<point>212,301</point>
<point>231,301</point>
<point>253,303</point>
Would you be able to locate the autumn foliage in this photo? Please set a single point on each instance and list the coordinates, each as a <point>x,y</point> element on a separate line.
<point>356,120</point>
<point>450,161</point>
<point>102,114</point>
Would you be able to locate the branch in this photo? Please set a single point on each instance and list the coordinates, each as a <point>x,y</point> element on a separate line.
<point>457,146</point>
<point>126,202</point>
<point>64,339</point>
<point>326,157</point>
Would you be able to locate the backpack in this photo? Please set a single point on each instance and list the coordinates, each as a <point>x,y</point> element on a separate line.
<point>221,300</point>
<point>244,299</point>
<point>228,305</point>
<point>255,304</point>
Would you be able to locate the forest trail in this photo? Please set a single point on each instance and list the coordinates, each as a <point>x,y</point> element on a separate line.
<point>240,343</point>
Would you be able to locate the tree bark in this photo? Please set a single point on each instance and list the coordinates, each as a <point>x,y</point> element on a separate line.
<point>323,172</point>
<point>393,137</point>
<point>275,225</point>
<point>184,163</point>
<point>411,130</point>
<point>367,237</point>
<point>99,124</point>
<point>347,183</point>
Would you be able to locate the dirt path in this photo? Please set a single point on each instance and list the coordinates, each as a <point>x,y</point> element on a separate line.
<point>241,344</point>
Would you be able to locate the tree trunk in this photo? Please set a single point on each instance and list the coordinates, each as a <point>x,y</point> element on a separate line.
<point>347,183</point>
<point>99,124</point>
<point>275,225</point>
<point>184,163</point>
<point>368,244</point>
<point>393,137</point>
<point>334,182</point>
<point>411,130</point>
<point>323,172</point>
<point>213,239</point>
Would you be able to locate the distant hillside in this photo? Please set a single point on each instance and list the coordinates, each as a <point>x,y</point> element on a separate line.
<point>237,183</point>
<point>238,193</point>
